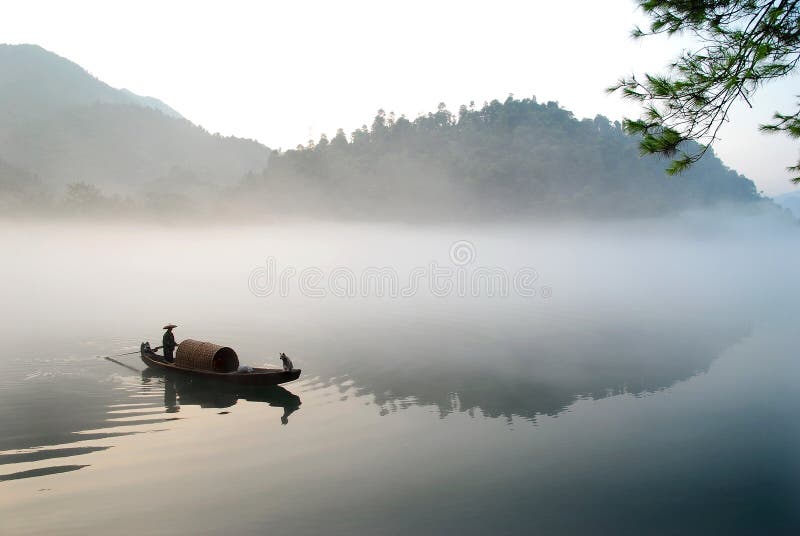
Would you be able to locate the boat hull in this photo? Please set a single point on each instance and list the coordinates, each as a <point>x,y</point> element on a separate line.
<point>258,376</point>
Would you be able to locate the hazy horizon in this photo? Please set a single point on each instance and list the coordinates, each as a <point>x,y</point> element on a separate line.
<point>245,80</point>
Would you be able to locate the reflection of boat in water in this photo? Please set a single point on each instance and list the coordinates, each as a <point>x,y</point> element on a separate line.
<point>222,367</point>
<point>195,390</point>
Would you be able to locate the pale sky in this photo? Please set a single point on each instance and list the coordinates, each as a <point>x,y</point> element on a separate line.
<point>281,72</point>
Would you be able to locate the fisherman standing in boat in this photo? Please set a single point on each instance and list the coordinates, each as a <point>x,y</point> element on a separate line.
<point>168,342</point>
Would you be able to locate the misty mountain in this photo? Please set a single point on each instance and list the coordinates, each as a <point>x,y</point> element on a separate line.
<point>69,141</point>
<point>17,186</point>
<point>62,125</point>
<point>790,201</point>
<point>34,83</point>
<point>511,159</point>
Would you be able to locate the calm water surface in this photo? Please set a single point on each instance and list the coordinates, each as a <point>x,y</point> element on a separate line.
<point>649,386</point>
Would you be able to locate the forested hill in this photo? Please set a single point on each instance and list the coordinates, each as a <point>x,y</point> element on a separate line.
<point>71,143</point>
<point>512,159</point>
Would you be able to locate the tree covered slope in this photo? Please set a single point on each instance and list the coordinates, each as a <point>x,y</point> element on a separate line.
<point>516,158</point>
<point>70,140</point>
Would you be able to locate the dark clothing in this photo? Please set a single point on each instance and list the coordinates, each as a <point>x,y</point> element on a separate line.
<point>169,345</point>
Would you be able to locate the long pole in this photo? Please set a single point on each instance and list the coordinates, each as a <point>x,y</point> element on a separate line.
<point>123,364</point>
<point>117,355</point>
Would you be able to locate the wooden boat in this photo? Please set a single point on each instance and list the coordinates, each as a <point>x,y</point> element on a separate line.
<point>254,376</point>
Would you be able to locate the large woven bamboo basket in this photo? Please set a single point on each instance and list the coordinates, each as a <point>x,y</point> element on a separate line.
<point>200,355</point>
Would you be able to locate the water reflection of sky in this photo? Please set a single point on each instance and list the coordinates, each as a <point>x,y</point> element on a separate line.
<point>72,408</point>
<point>644,397</point>
<point>50,418</point>
<point>715,452</point>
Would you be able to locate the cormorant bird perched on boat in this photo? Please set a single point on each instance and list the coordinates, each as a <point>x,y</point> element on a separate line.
<point>168,342</point>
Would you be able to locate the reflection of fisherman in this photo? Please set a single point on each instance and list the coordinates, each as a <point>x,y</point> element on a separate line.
<point>168,342</point>
<point>170,396</point>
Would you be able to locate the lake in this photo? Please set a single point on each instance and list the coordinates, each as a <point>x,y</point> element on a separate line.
<point>637,378</point>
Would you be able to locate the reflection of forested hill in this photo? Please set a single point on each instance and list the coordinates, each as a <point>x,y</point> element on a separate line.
<point>517,158</point>
<point>522,372</point>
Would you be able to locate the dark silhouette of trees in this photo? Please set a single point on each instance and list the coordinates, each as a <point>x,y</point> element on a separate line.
<point>511,159</point>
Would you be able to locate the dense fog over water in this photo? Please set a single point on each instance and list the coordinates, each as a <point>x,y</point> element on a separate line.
<point>495,369</point>
<point>601,309</point>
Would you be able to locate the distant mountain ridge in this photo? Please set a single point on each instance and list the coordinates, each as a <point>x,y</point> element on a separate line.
<point>70,142</point>
<point>35,82</point>
<point>152,102</point>
<point>63,125</point>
